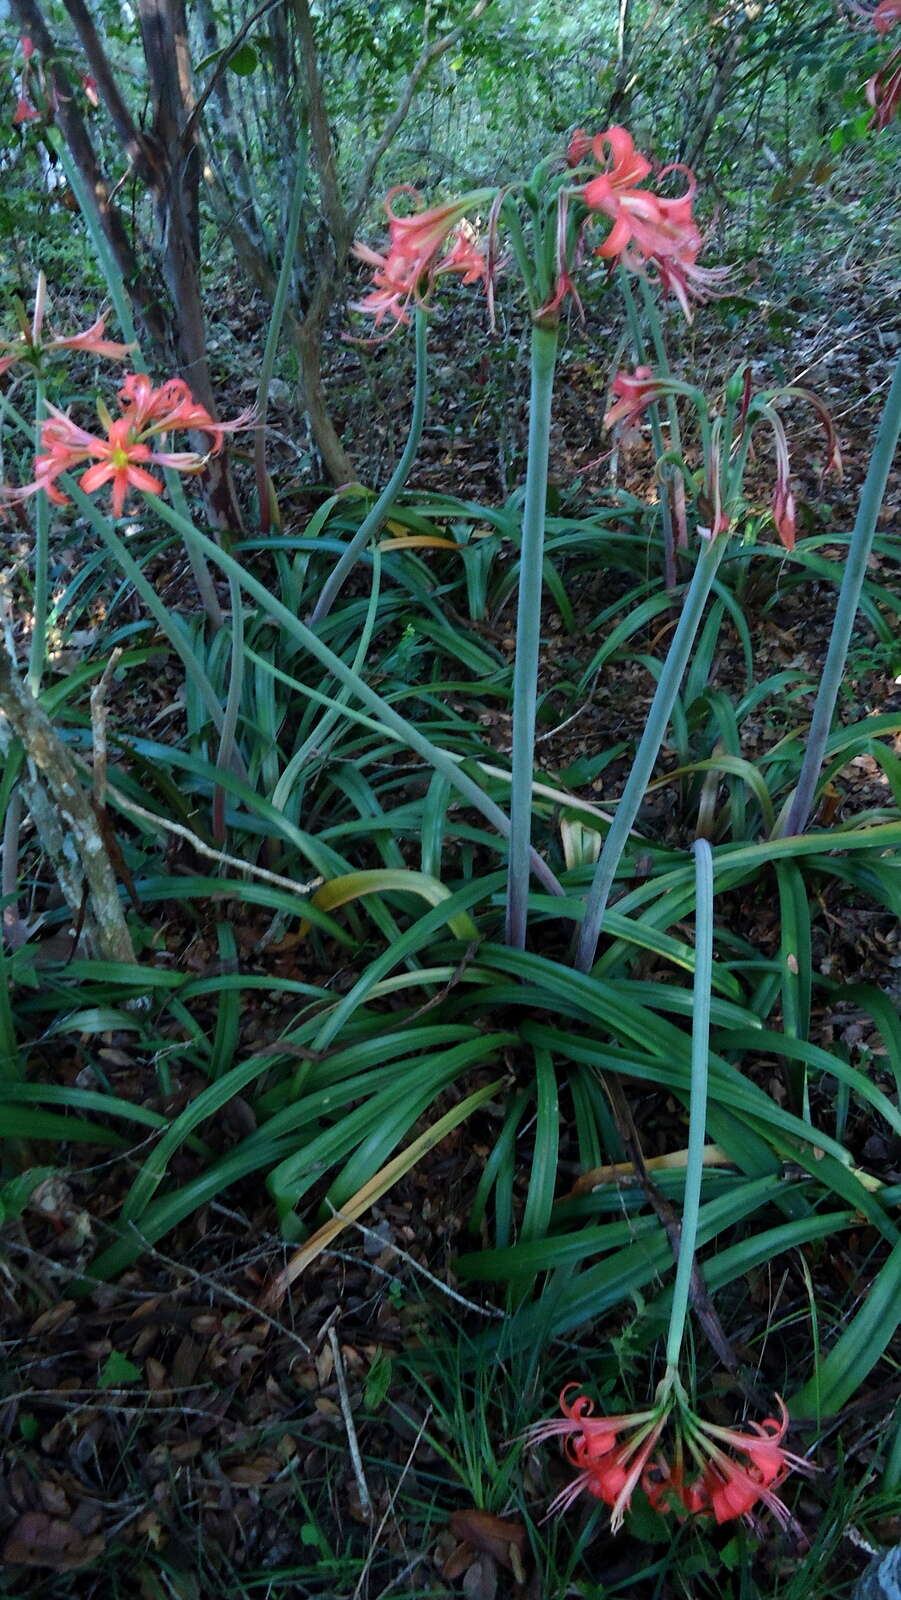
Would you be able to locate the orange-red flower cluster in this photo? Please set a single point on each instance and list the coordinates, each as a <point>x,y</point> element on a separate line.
<point>648,229</point>
<point>730,1472</point>
<point>416,256</point>
<point>121,455</point>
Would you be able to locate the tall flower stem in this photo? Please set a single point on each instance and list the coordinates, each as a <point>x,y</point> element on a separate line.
<point>652,312</point>
<point>648,749</point>
<point>528,628</point>
<point>371,523</point>
<point>846,609</point>
<point>38,651</point>
<point>640,348</point>
<point>697,1104</point>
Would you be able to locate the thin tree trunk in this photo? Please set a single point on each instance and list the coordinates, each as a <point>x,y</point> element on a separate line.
<point>138,282</point>
<point>702,127</point>
<point>229,137</point>
<point>623,82</point>
<point>177,197</point>
<point>307,340</point>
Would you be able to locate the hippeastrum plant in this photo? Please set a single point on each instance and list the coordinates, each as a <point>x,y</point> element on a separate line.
<point>37,351</point>
<point>597,201</point>
<point>417,255</point>
<point>714,1471</point>
<point>718,487</point>
<point>725,437</point>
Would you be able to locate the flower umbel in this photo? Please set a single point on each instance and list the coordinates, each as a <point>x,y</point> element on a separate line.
<point>121,455</point>
<point>649,229</point>
<point>718,1483</point>
<point>408,270</point>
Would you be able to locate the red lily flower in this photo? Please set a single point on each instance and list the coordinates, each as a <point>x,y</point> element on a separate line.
<point>92,340</point>
<point>120,462</point>
<point>637,215</point>
<point>635,390</point>
<point>156,411</point>
<point>419,236</point>
<point>24,112</point>
<point>395,283</point>
<point>648,229</point>
<point>407,271</point>
<point>624,166</point>
<point>465,257</point>
<point>734,1488</point>
<point>578,147</point>
<point>31,347</point>
<point>120,458</point>
<point>611,1470</point>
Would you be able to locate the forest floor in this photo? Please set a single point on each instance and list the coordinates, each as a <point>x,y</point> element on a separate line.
<point>162,1434</point>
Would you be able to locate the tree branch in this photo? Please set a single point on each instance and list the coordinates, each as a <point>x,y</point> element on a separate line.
<point>133,141</point>
<point>430,54</point>
<point>71,125</point>
<point>320,129</point>
<point>221,64</point>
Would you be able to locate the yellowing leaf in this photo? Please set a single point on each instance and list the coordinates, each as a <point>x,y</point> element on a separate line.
<point>418,541</point>
<point>377,1185</point>
<point>379,880</point>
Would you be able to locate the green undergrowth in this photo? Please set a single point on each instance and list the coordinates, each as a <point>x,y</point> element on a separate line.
<point>352,990</point>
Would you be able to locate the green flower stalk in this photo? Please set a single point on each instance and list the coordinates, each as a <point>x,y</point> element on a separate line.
<point>528,628</point>
<point>37,653</point>
<point>697,1105</point>
<point>648,749</point>
<point>372,522</point>
<point>547,221</point>
<point>714,1472</point>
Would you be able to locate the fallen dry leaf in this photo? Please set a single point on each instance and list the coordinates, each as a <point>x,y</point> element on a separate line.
<point>38,1540</point>
<point>494,1536</point>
